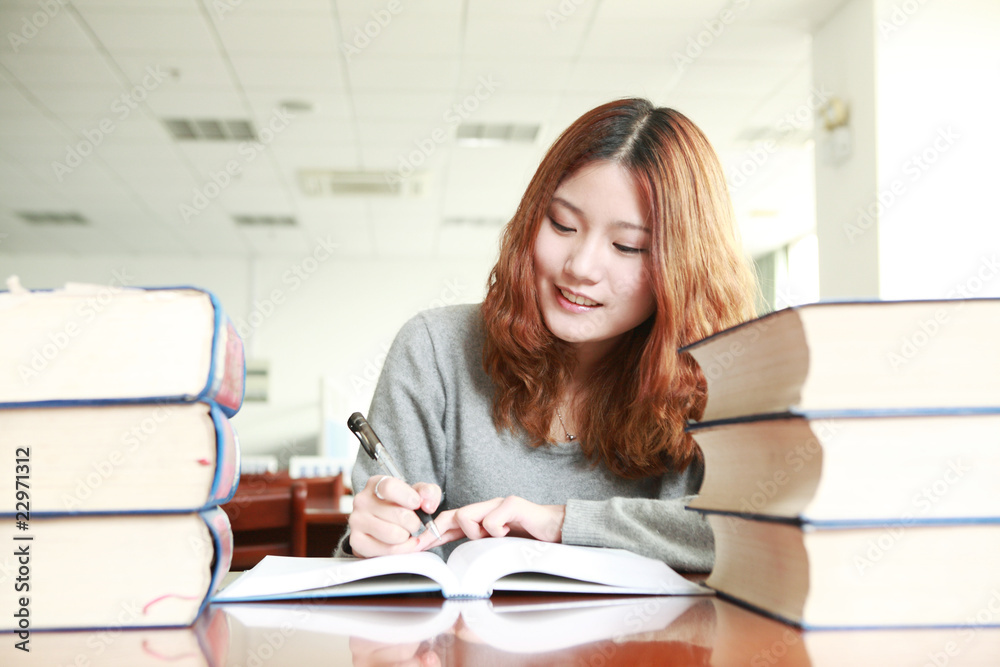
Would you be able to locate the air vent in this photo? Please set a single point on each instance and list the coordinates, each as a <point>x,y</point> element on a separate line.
<point>495,134</point>
<point>264,220</point>
<point>331,183</point>
<point>50,218</point>
<point>208,129</point>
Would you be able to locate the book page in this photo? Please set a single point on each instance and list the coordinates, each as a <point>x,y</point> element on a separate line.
<point>285,577</point>
<point>479,565</point>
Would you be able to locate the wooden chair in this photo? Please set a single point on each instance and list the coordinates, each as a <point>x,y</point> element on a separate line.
<point>267,519</point>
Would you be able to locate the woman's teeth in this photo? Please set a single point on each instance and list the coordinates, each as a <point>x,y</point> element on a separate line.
<point>578,300</point>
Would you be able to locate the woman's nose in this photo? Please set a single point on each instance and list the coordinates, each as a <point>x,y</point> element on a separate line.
<point>583,262</point>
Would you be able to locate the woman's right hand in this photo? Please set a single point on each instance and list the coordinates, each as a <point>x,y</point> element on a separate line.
<point>384,524</point>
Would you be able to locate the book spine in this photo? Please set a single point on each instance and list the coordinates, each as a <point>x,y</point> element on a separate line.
<point>227,375</point>
<point>227,473</point>
<point>222,538</point>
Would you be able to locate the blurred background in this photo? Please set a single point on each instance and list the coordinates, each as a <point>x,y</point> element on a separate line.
<point>330,167</point>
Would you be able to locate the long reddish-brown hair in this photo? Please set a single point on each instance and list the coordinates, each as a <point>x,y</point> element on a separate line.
<point>633,410</point>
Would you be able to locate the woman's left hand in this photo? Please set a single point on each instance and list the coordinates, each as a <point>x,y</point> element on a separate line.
<point>500,517</point>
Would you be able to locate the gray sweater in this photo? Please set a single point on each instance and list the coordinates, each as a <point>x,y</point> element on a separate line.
<point>432,409</point>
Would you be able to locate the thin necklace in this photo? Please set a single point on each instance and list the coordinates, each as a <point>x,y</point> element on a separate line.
<point>569,438</point>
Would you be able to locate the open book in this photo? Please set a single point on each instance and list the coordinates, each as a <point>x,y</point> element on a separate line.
<point>474,570</point>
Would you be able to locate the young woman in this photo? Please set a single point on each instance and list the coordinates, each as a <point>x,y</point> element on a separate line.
<point>556,408</point>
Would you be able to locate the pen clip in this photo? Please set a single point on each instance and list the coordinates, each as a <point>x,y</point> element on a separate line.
<point>363,430</point>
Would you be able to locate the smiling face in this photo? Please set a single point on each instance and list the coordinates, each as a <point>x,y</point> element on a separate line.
<point>591,259</point>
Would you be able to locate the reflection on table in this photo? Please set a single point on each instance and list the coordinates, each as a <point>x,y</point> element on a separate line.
<point>508,629</point>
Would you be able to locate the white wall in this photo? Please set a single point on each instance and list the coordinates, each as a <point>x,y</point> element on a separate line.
<point>309,317</point>
<point>912,213</point>
<point>844,67</point>
<point>939,144</point>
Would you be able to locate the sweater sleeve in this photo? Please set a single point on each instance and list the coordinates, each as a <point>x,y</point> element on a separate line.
<point>406,412</point>
<point>656,527</point>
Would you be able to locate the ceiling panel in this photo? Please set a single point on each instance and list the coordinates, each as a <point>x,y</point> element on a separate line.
<point>349,85</point>
<point>57,31</point>
<point>278,33</point>
<point>148,29</point>
<point>53,68</point>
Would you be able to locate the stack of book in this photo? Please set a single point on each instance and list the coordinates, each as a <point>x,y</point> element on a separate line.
<point>852,455</point>
<point>114,426</point>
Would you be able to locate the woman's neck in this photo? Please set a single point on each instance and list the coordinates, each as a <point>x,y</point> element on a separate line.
<point>587,357</point>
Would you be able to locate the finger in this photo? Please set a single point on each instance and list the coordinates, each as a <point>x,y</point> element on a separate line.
<point>428,540</point>
<point>394,491</point>
<point>365,546</point>
<point>398,528</point>
<point>497,522</point>
<point>430,496</point>
<point>469,518</point>
<point>369,514</point>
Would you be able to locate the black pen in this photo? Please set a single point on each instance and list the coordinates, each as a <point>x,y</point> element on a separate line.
<point>377,451</point>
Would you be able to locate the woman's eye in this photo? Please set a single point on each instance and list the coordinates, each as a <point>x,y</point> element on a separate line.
<point>560,228</point>
<point>628,250</point>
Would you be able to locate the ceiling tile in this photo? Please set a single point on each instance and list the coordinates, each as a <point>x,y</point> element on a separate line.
<point>277,241</point>
<point>53,68</point>
<point>383,91</point>
<point>408,34</point>
<point>637,38</point>
<point>96,102</point>
<point>149,29</point>
<point>197,102</point>
<point>395,74</point>
<point>404,238</point>
<point>531,37</point>
<point>284,33</point>
<point>29,29</point>
<point>177,70</point>
<point>320,72</point>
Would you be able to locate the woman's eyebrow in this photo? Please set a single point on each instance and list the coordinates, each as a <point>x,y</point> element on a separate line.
<point>576,210</point>
<point>630,225</point>
<point>622,224</point>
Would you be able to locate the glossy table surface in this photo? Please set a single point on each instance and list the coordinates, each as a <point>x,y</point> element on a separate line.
<point>508,629</point>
